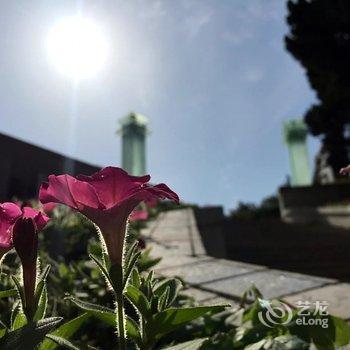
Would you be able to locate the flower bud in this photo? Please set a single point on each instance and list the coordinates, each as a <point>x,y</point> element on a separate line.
<point>25,241</point>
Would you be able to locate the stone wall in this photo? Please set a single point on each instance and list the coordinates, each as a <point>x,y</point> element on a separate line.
<point>319,249</point>
<point>323,204</point>
<point>213,239</point>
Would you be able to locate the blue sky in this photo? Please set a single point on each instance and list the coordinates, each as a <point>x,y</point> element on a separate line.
<point>212,76</point>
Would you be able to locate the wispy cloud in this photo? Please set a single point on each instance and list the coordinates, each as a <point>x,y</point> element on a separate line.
<point>153,9</point>
<point>259,10</point>
<point>247,17</point>
<point>197,21</point>
<point>238,36</point>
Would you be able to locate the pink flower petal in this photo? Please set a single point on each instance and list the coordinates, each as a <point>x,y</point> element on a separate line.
<point>39,218</point>
<point>49,207</point>
<point>113,185</point>
<point>138,215</point>
<point>9,212</point>
<point>162,191</point>
<point>65,189</point>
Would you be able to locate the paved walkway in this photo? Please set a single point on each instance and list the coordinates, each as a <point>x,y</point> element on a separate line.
<point>175,237</point>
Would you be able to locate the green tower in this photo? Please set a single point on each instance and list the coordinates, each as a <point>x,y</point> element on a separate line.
<point>295,132</point>
<point>133,132</point>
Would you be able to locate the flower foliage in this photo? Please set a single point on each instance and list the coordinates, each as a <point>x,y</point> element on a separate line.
<point>151,312</point>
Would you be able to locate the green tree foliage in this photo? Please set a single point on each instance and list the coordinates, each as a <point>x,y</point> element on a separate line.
<point>268,208</point>
<point>319,39</point>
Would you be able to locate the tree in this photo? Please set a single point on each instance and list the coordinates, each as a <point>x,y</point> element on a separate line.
<point>319,39</point>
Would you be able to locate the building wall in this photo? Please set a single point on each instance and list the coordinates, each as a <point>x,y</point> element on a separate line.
<point>24,166</point>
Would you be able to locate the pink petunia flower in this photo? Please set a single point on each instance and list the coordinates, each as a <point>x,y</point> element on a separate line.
<point>107,198</point>
<point>49,208</point>
<point>9,213</point>
<point>139,215</point>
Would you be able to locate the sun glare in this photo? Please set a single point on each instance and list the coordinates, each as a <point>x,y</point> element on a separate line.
<point>77,47</point>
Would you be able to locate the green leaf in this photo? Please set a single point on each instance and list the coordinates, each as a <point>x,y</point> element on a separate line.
<point>41,310</point>
<point>29,336</point>
<point>135,278</point>
<point>3,329</point>
<point>289,342</point>
<point>16,309</point>
<point>164,299</point>
<point>40,295</point>
<point>155,304</point>
<point>146,262</point>
<point>149,278</point>
<point>103,313</point>
<point>170,319</point>
<point>130,253</point>
<point>342,331</point>
<point>334,332</point>
<point>189,345</point>
<point>252,293</point>
<point>139,300</point>
<point>106,317</point>
<point>62,342</point>
<point>40,286</point>
<point>130,268</point>
<point>251,313</point>
<point>256,346</point>
<point>8,293</point>
<point>174,285</point>
<point>20,321</point>
<point>101,266</point>
<point>19,290</point>
<point>133,331</point>
<point>65,331</point>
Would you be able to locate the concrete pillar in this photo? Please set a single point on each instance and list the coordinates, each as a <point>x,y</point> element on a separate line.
<point>133,132</point>
<point>295,133</point>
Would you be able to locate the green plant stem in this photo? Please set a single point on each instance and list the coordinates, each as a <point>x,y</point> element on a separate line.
<point>121,321</point>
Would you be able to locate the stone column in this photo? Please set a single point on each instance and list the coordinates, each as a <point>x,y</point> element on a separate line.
<point>133,132</point>
<point>295,133</point>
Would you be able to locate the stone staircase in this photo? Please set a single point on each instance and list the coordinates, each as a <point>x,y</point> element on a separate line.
<point>174,236</point>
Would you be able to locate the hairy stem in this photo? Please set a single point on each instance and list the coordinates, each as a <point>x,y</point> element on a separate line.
<point>121,321</point>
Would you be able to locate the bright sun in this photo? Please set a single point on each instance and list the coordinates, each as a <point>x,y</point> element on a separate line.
<point>77,47</point>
